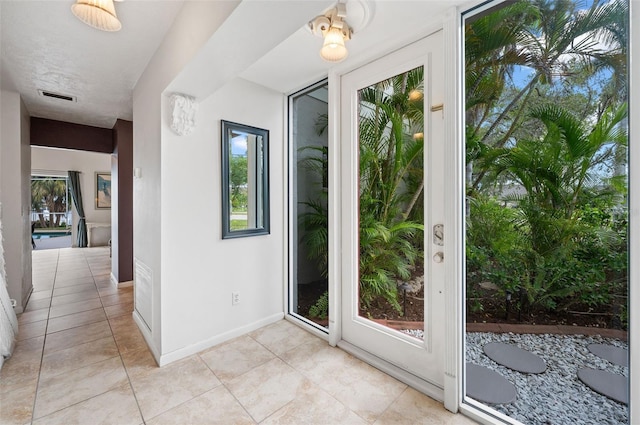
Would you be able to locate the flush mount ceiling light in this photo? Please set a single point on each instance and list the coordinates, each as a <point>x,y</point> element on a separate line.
<point>100,14</point>
<point>335,31</point>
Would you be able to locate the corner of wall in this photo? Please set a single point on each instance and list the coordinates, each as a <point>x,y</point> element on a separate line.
<point>15,167</point>
<point>192,28</point>
<point>25,181</point>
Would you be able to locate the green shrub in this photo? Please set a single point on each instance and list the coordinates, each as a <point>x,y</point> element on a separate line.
<point>320,309</point>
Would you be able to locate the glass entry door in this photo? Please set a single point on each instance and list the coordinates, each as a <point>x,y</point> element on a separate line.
<point>392,171</point>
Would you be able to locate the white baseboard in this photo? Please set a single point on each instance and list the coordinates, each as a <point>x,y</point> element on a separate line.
<point>126,284</point>
<point>18,309</point>
<point>114,282</point>
<point>210,342</point>
<point>146,334</point>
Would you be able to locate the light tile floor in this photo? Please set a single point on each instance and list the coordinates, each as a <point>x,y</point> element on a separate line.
<point>80,359</point>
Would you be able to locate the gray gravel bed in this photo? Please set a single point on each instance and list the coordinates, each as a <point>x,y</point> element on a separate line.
<point>555,396</point>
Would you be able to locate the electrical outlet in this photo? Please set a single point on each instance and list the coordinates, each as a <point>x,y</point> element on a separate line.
<point>235,298</point>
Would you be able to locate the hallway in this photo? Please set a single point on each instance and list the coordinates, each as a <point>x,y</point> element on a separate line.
<point>80,359</point>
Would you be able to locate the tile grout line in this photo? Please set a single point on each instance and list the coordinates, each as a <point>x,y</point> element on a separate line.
<point>223,384</point>
<point>279,357</point>
<point>112,336</point>
<point>124,367</point>
<point>135,397</point>
<point>406,388</point>
<point>318,387</point>
<point>44,341</point>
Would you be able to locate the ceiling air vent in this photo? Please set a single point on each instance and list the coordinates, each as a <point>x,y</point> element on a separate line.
<point>57,95</point>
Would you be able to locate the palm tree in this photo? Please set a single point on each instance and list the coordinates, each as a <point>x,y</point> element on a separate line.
<point>391,186</point>
<point>562,173</point>
<point>52,194</point>
<point>391,183</point>
<point>542,36</point>
<point>492,49</point>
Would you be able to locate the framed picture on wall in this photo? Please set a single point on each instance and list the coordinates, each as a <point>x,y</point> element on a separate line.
<point>103,190</point>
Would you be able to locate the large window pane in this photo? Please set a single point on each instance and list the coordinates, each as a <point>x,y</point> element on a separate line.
<point>546,214</point>
<point>308,185</point>
<point>50,207</point>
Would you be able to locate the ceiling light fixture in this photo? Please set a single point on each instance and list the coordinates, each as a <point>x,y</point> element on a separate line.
<point>335,31</point>
<point>100,14</point>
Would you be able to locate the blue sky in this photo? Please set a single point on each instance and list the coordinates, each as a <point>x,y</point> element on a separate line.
<point>239,145</point>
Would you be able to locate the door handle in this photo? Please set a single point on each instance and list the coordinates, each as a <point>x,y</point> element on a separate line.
<point>438,234</point>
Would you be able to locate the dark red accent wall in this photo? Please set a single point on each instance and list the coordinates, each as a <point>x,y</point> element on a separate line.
<point>122,222</point>
<point>119,142</point>
<point>66,135</point>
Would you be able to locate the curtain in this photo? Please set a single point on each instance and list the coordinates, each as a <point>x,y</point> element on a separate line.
<point>76,194</point>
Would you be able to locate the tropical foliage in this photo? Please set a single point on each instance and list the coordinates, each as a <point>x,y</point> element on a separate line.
<point>391,184</point>
<point>238,182</point>
<point>320,309</point>
<point>546,149</point>
<point>546,154</point>
<point>391,188</point>
<point>49,194</point>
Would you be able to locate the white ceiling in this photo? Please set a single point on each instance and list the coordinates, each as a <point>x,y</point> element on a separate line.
<point>378,26</point>
<point>45,47</point>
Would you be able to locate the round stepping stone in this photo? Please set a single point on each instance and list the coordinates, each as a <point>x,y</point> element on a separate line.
<point>606,383</point>
<point>514,357</point>
<point>615,355</point>
<point>488,386</point>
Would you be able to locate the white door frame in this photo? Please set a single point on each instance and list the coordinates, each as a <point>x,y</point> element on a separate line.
<point>450,25</point>
<point>424,358</point>
<point>454,131</point>
<point>634,213</point>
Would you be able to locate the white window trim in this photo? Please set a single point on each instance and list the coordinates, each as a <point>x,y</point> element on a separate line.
<point>454,252</point>
<point>634,215</point>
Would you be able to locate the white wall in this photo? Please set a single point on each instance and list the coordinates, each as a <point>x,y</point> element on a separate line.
<point>192,28</point>
<point>60,161</point>
<point>196,59</point>
<point>15,192</point>
<point>199,269</point>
